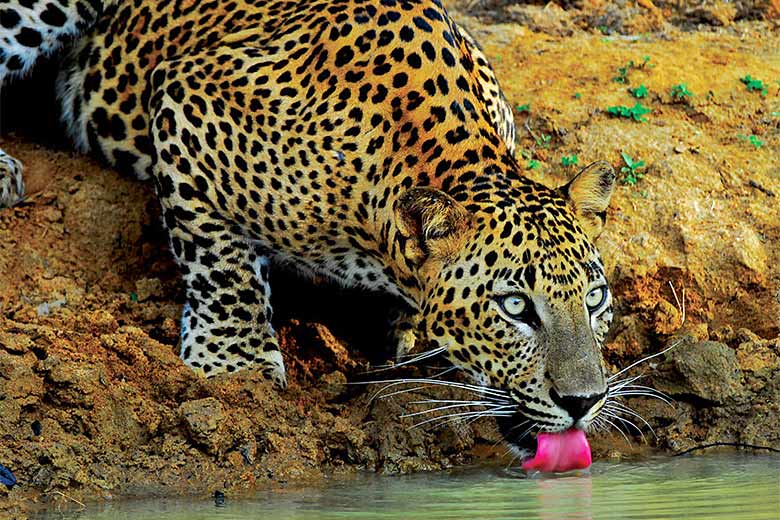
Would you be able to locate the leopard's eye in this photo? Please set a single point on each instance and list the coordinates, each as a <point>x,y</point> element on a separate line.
<point>514,305</point>
<point>596,298</point>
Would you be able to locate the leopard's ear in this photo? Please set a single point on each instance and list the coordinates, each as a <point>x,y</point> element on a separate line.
<point>589,193</point>
<point>432,223</point>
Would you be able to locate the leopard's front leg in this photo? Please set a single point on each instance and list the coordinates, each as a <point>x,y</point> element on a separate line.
<point>226,321</point>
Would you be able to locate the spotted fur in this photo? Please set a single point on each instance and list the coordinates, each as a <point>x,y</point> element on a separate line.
<point>364,140</point>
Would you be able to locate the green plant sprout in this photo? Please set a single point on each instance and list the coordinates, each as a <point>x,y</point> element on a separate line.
<point>622,76</point>
<point>631,173</point>
<point>577,95</point>
<point>533,164</point>
<point>636,112</point>
<point>639,92</point>
<point>523,108</point>
<point>569,160</point>
<point>754,85</point>
<point>544,140</point>
<point>680,92</point>
<point>752,139</point>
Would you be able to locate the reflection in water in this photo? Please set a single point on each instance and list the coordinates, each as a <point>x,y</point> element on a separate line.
<point>706,487</point>
<point>570,495</point>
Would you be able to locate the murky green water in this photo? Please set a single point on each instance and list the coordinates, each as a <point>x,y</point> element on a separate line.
<point>706,487</point>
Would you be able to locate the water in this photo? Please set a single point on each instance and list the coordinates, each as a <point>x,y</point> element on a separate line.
<point>706,487</point>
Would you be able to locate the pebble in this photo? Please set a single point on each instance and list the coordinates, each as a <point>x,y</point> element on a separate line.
<point>6,477</point>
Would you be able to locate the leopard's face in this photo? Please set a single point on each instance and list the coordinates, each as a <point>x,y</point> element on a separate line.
<point>523,306</point>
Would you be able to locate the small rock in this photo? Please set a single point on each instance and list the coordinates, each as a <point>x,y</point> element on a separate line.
<point>660,169</point>
<point>202,416</point>
<point>750,251</point>
<point>148,288</point>
<point>45,308</point>
<point>759,357</point>
<point>707,370</point>
<point>6,477</point>
<point>667,317</point>
<point>719,13</point>
<point>334,384</point>
<point>723,334</point>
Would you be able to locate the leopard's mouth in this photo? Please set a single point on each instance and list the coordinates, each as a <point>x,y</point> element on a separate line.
<point>550,452</point>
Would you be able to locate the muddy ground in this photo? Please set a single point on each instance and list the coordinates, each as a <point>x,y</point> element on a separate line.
<point>95,404</point>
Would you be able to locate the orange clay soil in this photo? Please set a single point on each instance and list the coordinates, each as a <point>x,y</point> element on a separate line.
<point>94,402</point>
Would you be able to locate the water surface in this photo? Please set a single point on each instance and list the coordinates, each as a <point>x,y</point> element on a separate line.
<point>706,487</point>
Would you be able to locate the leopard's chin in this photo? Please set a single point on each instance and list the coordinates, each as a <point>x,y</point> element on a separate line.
<point>514,429</point>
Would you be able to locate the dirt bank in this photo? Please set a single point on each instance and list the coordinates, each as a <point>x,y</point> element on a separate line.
<point>94,402</point>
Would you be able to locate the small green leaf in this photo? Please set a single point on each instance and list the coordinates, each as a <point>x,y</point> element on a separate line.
<point>631,173</point>
<point>754,85</point>
<point>523,108</point>
<point>636,112</point>
<point>755,141</point>
<point>569,160</point>
<point>533,164</point>
<point>544,140</point>
<point>638,92</point>
<point>752,139</point>
<point>577,95</point>
<point>622,76</point>
<point>680,92</point>
<point>133,297</point>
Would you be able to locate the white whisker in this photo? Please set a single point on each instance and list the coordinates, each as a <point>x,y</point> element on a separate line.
<point>612,413</point>
<point>417,357</point>
<point>481,390</point>
<point>448,407</point>
<point>626,409</point>
<point>617,428</point>
<point>640,393</point>
<point>455,401</point>
<point>465,415</point>
<point>646,358</point>
<point>623,382</point>
<point>680,306</point>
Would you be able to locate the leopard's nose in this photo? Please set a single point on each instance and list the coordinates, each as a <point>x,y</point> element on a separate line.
<point>577,406</point>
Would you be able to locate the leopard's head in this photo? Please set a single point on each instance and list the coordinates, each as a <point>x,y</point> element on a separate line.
<point>515,294</point>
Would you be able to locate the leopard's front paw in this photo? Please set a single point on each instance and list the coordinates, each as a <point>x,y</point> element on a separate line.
<point>11,181</point>
<point>210,347</point>
<point>271,365</point>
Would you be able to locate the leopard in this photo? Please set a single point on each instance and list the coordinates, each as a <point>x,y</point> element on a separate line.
<point>363,141</point>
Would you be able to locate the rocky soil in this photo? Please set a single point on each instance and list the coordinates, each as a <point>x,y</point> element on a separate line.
<point>95,404</point>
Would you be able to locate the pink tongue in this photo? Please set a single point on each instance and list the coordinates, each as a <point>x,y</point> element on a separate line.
<point>563,451</point>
